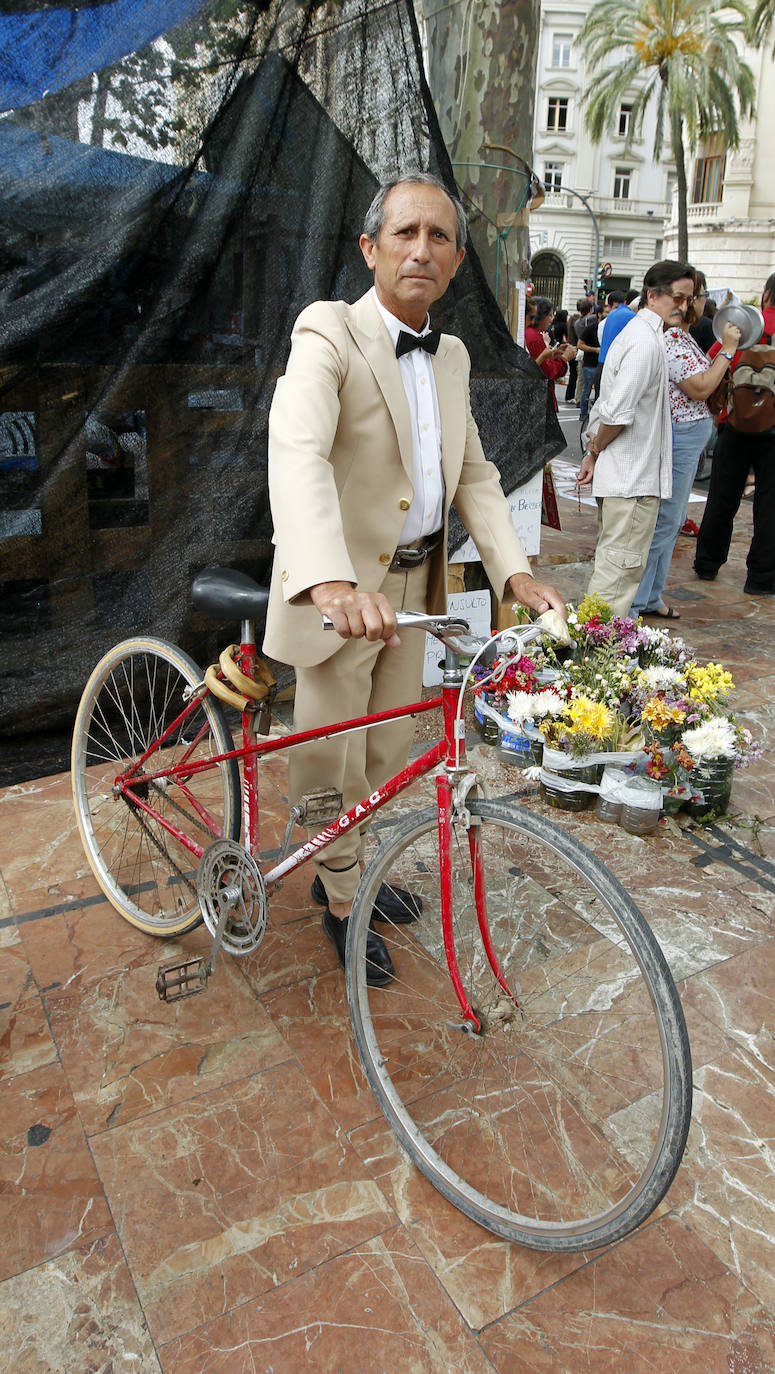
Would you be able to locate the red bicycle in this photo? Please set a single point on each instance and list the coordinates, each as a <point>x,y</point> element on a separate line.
<point>531,1052</point>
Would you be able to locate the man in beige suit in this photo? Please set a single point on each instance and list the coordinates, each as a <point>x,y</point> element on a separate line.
<point>371,438</point>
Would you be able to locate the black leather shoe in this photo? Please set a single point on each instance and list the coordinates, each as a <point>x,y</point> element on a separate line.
<point>751,590</point>
<point>705,576</point>
<point>379,965</point>
<point>393,904</point>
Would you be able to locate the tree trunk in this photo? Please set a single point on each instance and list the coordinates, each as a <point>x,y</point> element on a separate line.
<point>481,71</point>
<point>676,135</point>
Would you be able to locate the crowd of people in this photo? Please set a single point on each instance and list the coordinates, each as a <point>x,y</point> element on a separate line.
<point>652,380</point>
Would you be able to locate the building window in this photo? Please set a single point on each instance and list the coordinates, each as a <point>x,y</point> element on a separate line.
<point>617,248</point>
<point>562,47</point>
<point>622,182</point>
<point>557,113</point>
<point>709,170</point>
<point>625,115</point>
<point>553,175</point>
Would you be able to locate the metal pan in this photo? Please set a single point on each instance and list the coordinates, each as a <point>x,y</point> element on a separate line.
<point>748,318</point>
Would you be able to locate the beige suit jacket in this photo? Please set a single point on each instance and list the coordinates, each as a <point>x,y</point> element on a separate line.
<point>340,472</point>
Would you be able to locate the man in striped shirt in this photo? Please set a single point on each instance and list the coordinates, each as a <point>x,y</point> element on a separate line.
<point>628,459</point>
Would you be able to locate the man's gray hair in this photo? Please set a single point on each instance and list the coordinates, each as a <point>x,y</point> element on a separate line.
<point>375,215</point>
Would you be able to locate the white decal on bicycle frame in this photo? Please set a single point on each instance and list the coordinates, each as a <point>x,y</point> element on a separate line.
<point>460,729</point>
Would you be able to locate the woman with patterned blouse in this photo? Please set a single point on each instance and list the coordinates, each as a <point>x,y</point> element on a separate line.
<point>691,380</point>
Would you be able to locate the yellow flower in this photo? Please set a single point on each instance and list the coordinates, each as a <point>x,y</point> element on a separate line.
<point>660,714</point>
<point>708,683</point>
<point>589,718</point>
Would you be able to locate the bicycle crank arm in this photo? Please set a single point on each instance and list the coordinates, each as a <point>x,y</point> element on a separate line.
<point>190,976</point>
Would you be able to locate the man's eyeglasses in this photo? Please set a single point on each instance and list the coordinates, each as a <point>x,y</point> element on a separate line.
<point>680,298</point>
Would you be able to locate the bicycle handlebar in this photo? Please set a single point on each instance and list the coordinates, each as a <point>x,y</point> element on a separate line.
<point>455,633</point>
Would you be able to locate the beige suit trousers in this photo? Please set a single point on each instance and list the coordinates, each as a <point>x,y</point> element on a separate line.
<point>358,679</point>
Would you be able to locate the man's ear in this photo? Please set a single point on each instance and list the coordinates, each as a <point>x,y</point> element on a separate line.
<point>461,252</point>
<point>367,246</point>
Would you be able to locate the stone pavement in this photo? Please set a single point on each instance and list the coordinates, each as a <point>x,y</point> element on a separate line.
<point>209,1186</point>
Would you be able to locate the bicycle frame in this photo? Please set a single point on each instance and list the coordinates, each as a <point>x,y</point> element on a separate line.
<point>448,751</point>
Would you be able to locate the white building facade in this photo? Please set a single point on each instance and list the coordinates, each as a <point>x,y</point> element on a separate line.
<point>613,206</point>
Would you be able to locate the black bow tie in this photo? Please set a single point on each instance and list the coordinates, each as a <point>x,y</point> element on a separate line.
<point>406,342</point>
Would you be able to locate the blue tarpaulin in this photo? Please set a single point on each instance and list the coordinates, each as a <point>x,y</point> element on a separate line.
<point>42,51</point>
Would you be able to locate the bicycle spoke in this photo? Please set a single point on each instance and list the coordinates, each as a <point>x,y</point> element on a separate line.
<point>132,699</point>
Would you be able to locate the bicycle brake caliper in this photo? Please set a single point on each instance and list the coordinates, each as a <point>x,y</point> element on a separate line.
<point>460,791</point>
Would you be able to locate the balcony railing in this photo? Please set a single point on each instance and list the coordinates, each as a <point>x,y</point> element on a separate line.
<point>704,213</point>
<point>558,200</point>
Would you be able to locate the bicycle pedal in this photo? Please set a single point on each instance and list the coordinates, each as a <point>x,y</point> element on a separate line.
<point>319,808</point>
<point>185,979</point>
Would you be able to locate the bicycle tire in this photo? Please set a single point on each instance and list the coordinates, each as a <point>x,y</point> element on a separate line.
<point>563,1125</point>
<point>135,691</point>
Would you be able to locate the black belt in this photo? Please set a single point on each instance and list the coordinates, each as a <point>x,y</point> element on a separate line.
<point>415,556</point>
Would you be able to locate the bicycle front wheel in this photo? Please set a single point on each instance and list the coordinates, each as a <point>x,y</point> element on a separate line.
<point>562,1124</point>
<point>136,692</point>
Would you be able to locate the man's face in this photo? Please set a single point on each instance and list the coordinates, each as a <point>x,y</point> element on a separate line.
<point>414,257</point>
<point>672,305</point>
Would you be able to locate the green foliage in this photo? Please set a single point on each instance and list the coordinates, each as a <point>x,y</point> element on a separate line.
<point>678,55</point>
<point>762,23</point>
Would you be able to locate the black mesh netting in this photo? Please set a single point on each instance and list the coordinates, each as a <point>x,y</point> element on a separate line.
<point>171,197</point>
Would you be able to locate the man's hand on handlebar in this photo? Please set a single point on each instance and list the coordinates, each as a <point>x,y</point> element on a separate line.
<point>537,596</point>
<point>354,614</point>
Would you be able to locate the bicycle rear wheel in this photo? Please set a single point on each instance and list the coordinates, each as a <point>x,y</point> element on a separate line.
<point>134,694</point>
<point>562,1125</point>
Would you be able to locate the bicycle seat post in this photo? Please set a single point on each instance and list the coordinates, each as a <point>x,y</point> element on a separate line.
<point>248,634</point>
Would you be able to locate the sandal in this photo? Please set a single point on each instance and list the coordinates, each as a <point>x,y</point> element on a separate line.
<point>664,613</point>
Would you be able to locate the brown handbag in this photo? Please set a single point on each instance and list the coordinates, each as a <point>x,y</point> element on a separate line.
<point>718,401</point>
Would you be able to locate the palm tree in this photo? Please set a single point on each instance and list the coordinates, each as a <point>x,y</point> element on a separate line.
<point>680,54</point>
<point>762,21</point>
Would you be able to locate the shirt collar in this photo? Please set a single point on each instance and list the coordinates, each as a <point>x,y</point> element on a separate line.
<point>395,326</point>
<point>651,318</point>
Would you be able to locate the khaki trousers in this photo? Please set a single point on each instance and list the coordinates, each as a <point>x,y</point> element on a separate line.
<point>579,374</point>
<point>358,679</point>
<point>626,528</point>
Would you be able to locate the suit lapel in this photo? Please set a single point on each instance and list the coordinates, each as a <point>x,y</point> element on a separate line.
<point>368,331</point>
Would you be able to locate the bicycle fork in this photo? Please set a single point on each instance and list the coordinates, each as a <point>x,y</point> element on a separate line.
<point>450,810</point>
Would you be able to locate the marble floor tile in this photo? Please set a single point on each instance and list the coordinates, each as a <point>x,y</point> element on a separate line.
<point>77,1314</point>
<point>72,944</point>
<point>40,849</point>
<point>730,1163</point>
<point>313,1019</point>
<point>661,1301</point>
<point>737,996</point>
<point>51,1198</point>
<point>484,1276</point>
<point>377,1308</point>
<point>127,1054</point>
<point>226,1196</point>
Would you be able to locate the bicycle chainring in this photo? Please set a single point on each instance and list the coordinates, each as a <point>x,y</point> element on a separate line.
<point>228,876</point>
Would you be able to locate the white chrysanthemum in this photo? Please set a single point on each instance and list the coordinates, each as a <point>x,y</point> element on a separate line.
<point>520,706</point>
<point>660,678</point>
<point>548,703</point>
<point>713,739</point>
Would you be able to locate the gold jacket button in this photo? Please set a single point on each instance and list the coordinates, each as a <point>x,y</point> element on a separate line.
<point>386,558</point>
<point>284,575</point>
<point>404,505</point>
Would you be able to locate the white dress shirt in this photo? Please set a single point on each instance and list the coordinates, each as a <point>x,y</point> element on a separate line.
<point>634,393</point>
<point>426,513</point>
